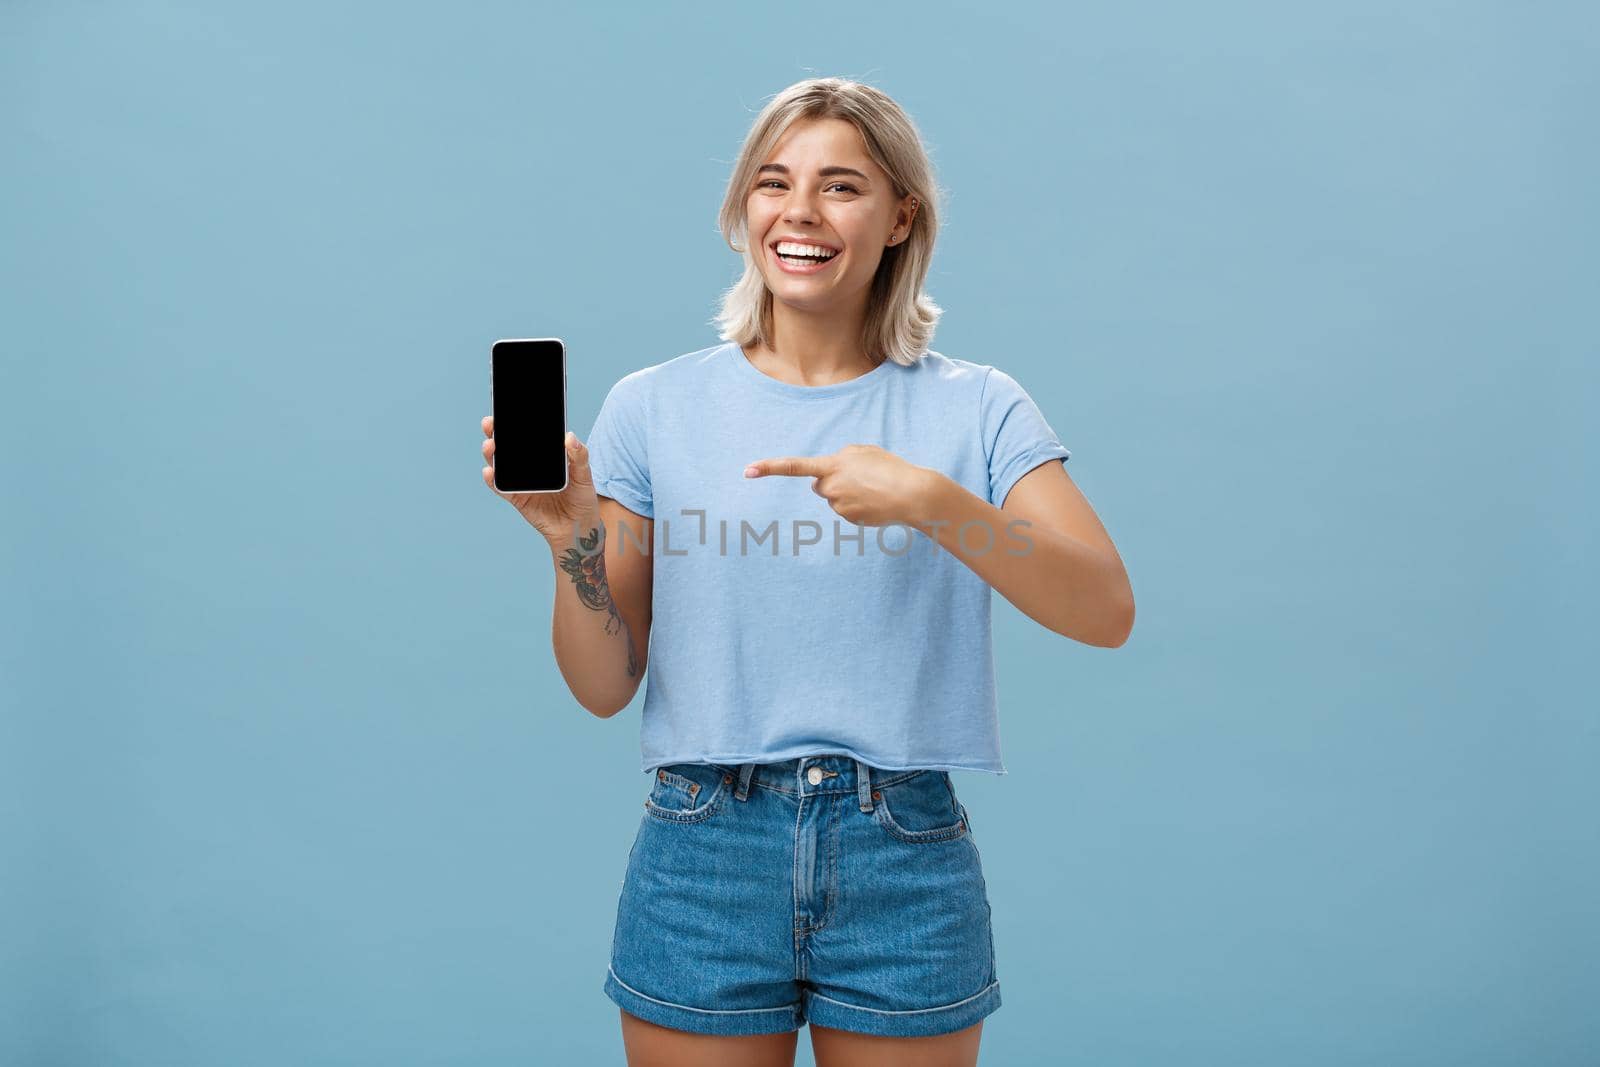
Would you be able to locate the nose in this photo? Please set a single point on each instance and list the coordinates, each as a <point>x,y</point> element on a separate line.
<point>797,207</point>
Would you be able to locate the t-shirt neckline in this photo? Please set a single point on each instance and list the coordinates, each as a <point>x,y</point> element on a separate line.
<point>851,385</point>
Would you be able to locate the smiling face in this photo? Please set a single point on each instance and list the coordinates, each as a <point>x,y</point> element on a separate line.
<point>820,188</point>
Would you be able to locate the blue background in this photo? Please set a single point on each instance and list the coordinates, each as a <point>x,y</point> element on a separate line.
<point>287,772</point>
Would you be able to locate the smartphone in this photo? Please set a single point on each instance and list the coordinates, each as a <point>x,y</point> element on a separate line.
<point>528,399</point>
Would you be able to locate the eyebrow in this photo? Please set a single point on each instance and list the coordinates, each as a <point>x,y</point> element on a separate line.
<point>823,173</point>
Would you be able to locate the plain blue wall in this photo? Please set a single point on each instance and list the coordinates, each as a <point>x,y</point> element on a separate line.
<point>289,775</point>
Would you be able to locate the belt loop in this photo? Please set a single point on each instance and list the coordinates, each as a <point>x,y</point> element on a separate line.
<point>745,772</point>
<point>864,785</point>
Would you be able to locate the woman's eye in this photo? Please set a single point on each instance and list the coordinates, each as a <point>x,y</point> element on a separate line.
<point>774,181</point>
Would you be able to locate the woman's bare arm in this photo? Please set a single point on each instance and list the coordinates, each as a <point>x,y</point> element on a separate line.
<point>600,625</point>
<point>1058,566</point>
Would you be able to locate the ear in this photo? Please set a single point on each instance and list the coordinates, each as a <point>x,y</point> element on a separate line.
<point>904,213</point>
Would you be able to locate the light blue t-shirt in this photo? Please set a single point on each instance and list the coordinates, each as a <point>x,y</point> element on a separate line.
<point>778,628</point>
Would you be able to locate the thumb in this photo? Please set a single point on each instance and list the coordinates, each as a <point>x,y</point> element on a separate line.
<point>577,459</point>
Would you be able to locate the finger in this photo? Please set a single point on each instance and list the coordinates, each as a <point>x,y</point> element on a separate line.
<point>802,466</point>
<point>488,479</point>
<point>577,458</point>
<point>488,426</point>
<point>488,448</point>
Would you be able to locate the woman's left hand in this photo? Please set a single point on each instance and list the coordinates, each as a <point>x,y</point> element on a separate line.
<point>863,483</point>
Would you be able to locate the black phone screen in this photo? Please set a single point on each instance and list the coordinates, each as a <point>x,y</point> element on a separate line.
<point>528,399</point>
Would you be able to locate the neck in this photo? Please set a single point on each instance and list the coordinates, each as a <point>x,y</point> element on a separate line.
<point>812,349</point>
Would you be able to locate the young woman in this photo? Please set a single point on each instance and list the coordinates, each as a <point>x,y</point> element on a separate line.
<point>836,503</point>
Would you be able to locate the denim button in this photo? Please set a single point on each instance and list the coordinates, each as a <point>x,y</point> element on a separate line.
<point>815,775</point>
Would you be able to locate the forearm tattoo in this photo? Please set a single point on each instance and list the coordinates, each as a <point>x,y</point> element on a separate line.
<point>588,571</point>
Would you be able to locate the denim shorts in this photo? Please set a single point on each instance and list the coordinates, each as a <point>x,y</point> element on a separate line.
<point>760,897</point>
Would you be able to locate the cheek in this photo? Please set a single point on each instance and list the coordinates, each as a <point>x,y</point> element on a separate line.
<point>861,232</point>
<point>758,222</point>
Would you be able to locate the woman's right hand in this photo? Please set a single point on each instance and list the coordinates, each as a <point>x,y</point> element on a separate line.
<point>556,515</point>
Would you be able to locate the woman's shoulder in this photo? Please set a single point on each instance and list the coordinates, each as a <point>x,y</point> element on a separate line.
<point>953,366</point>
<point>951,372</point>
<point>990,381</point>
<point>672,372</point>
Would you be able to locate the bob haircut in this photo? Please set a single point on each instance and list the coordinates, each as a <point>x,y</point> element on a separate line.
<point>900,317</point>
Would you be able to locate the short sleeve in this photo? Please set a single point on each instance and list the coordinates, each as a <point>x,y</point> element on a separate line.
<point>1016,437</point>
<point>618,457</point>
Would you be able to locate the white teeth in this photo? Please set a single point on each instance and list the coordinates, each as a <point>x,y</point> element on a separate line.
<point>790,248</point>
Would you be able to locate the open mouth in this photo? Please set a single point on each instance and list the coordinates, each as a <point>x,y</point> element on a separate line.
<point>797,258</point>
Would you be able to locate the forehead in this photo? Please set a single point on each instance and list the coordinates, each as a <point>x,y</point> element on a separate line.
<point>823,142</point>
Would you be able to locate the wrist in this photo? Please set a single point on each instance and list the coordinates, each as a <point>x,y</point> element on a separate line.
<point>931,500</point>
<point>586,534</point>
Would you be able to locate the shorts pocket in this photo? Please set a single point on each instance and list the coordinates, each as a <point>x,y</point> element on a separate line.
<point>687,792</point>
<point>920,809</point>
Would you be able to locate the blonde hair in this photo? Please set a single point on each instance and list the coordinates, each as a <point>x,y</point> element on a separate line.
<point>900,317</point>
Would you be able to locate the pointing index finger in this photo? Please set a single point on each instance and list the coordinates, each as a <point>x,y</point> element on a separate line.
<point>801,466</point>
